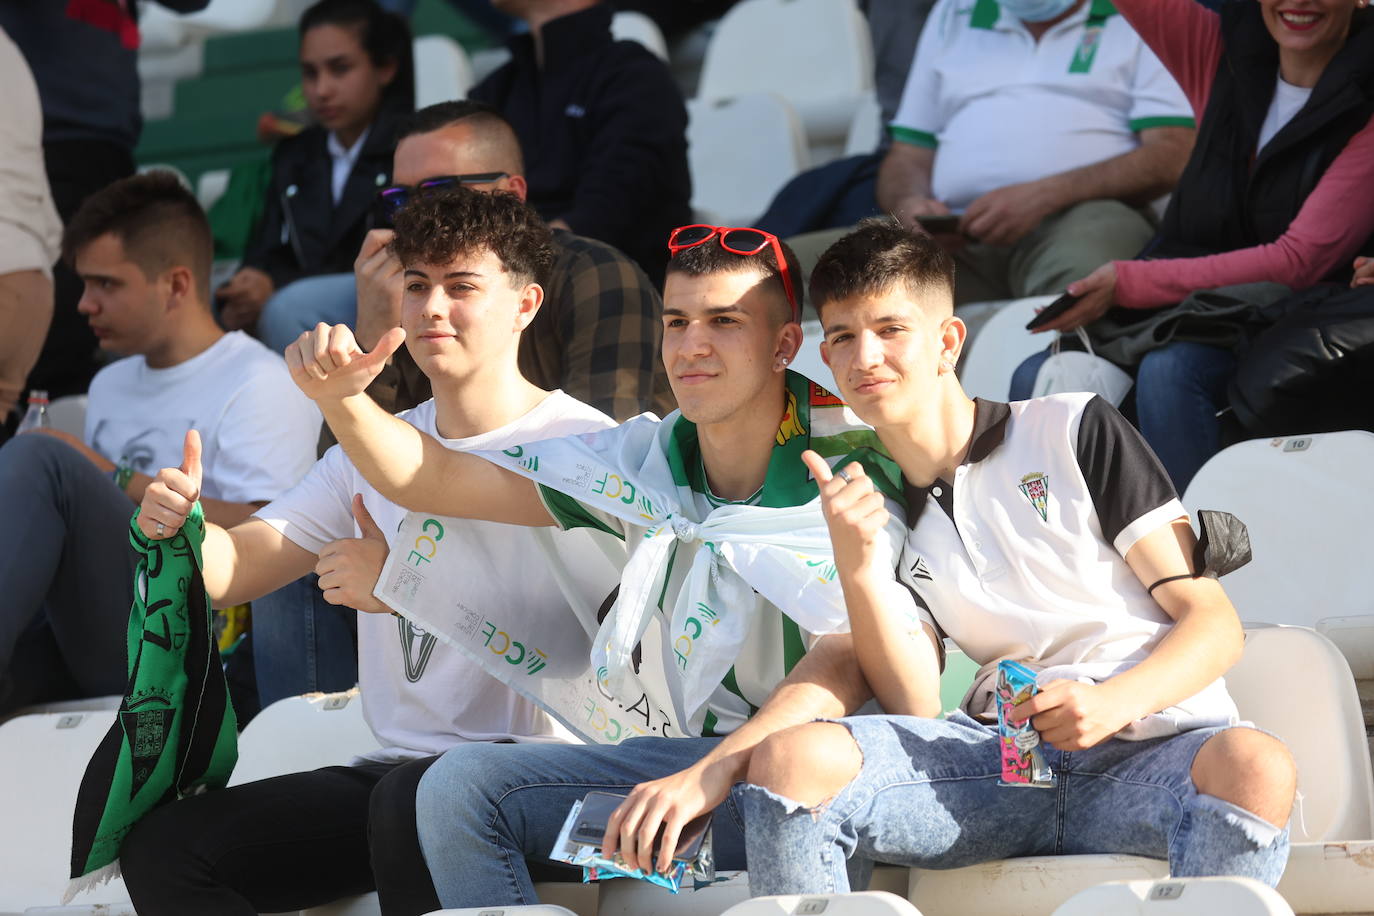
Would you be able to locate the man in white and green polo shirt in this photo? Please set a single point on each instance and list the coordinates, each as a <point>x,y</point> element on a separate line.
<point>720,522</point>
<point>1044,124</point>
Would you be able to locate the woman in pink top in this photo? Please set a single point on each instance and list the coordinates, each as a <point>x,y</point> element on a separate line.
<point>1279,188</point>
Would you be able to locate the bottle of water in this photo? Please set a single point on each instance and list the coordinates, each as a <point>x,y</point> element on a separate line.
<point>37,415</point>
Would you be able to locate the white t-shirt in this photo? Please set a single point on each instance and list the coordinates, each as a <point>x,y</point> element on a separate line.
<point>1288,101</point>
<point>1003,108</point>
<point>421,696</point>
<point>258,432</point>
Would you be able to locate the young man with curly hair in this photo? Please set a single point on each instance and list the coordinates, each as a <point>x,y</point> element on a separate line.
<point>474,264</point>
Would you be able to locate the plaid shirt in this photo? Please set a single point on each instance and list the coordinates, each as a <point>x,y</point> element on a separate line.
<point>596,336</point>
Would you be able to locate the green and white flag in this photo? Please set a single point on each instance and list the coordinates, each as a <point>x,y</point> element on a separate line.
<point>642,473</point>
<point>175,733</point>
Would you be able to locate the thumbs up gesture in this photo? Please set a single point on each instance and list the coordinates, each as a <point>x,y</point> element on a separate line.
<point>854,512</point>
<point>327,364</point>
<point>349,568</point>
<point>169,498</point>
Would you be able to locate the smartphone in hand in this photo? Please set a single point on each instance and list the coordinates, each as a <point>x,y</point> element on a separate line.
<point>597,808</point>
<point>1053,311</point>
<point>947,224</point>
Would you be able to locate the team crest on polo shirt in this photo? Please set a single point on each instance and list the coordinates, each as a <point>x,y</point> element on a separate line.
<point>1036,486</point>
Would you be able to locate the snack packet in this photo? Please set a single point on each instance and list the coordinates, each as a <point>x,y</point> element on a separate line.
<point>579,843</point>
<point>1023,756</point>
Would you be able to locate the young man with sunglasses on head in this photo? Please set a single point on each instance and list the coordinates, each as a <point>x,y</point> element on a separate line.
<point>730,329</point>
<point>473,264</point>
<point>1043,531</point>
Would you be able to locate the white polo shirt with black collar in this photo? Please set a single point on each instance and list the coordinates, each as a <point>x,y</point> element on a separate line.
<point>1022,555</point>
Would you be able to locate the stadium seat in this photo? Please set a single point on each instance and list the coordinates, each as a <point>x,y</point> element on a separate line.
<point>637,898</point>
<point>808,359</point>
<point>869,903</point>
<point>303,733</point>
<point>539,909</point>
<point>865,127</point>
<point>69,415</point>
<point>631,26</point>
<point>815,53</point>
<point>741,150</point>
<point>220,16</point>
<point>1178,897</point>
<point>1291,681</point>
<point>999,344</point>
<point>42,760</point>
<point>442,70</point>
<point>1308,505</point>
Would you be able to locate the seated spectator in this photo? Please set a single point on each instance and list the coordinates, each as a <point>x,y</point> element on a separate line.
<point>597,335</point>
<point>596,338</point>
<point>729,332</point>
<point>1089,583</point>
<point>1045,127</point>
<point>30,231</point>
<point>357,79</point>
<point>143,248</point>
<point>602,124</point>
<point>84,58</point>
<point>1278,189</point>
<point>240,849</point>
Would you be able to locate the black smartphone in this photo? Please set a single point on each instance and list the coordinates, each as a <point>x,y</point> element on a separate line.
<point>597,807</point>
<point>940,225</point>
<point>1053,311</point>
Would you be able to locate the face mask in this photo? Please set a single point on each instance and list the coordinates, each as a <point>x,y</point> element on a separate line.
<point>1036,10</point>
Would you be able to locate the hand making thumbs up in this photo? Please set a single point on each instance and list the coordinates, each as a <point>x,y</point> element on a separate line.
<point>169,498</point>
<point>348,568</point>
<point>327,364</point>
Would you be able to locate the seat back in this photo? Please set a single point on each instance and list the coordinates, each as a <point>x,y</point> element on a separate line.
<point>1307,503</point>
<point>442,70</point>
<point>1293,682</point>
<point>629,25</point>
<point>1000,345</point>
<point>303,733</point>
<point>741,151</point>
<point>1178,897</point>
<point>42,760</point>
<point>868,903</point>
<point>817,54</point>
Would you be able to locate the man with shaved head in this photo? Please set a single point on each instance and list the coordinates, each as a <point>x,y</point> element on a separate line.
<point>597,335</point>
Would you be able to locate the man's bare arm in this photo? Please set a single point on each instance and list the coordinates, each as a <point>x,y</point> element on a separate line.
<point>406,466</point>
<point>826,683</point>
<point>904,184</point>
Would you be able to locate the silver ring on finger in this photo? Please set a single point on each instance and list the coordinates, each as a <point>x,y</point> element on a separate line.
<point>161,530</point>
<point>843,476</point>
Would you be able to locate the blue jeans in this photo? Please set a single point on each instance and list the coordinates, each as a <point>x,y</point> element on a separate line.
<point>299,306</point>
<point>928,796</point>
<point>483,809</point>
<point>1178,390</point>
<point>302,643</point>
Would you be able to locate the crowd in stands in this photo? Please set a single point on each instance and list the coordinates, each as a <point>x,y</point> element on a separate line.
<point>493,309</point>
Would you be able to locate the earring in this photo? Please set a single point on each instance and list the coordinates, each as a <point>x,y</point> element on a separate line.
<point>946,367</point>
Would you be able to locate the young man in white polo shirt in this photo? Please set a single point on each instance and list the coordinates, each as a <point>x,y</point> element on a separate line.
<point>1045,124</point>
<point>1043,531</point>
<point>472,264</point>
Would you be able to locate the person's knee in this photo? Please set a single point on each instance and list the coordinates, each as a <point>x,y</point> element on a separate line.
<point>807,763</point>
<point>35,454</point>
<point>1249,769</point>
<point>391,806</point>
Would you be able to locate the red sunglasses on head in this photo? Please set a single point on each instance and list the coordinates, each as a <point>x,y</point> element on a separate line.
<point>737,240</point>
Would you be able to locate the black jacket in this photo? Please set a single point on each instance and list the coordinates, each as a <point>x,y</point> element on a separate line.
<point>604,131</point>
<point>302,233</point>
<point>1228,198</point>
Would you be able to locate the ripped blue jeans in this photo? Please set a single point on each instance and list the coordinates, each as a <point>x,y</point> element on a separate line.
<point>928,796</point>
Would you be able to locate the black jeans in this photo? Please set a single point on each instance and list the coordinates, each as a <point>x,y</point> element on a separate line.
<point>284,844</point>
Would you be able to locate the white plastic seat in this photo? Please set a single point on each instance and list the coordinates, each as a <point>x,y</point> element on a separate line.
<point>1291,681</point>
<point>220,16</point>
<point>1178,897</point>
<point>740,151</point>
<point>1308,505</point>
<point>999,345</point>
<point>631,26</point>
<point>868,903</point>
<point>42,760</point>
<point>442,70</point>
<point>303,733</point>
<point>817,54</point>
<point>538,909</point>
<point>210,187</point>
<point>808,359</point>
